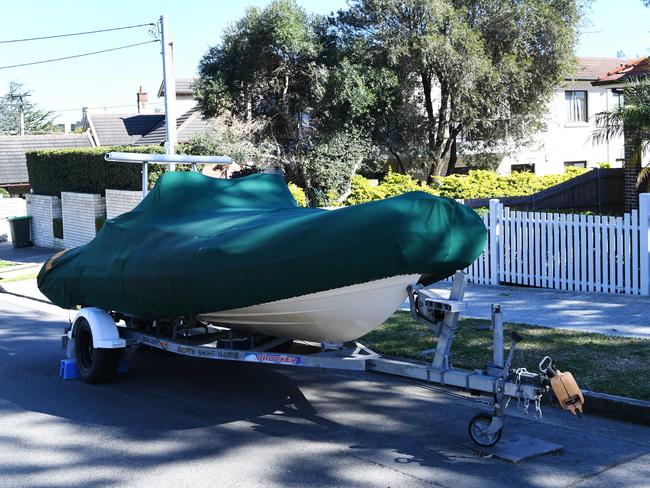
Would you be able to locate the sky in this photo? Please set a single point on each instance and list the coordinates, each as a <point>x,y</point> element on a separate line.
<point>112,79</point>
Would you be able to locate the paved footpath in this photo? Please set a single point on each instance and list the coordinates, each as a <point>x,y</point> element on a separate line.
<point>183,422</point>
<point>595,312</point>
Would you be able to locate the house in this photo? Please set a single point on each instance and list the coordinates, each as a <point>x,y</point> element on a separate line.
<point>185,100</point>
<point>568,138</point>
<point>13,164</point>
<point>115,129</point>
<point>615,80</point>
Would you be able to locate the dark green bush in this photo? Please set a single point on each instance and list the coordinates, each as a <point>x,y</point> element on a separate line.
<point>57,228</point>
<point>83,170</point>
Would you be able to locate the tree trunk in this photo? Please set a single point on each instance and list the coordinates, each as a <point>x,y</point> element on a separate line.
<point>631,169</point>
<point>453,157</point>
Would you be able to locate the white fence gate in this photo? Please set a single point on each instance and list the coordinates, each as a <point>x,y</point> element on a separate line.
<point>566,251</point>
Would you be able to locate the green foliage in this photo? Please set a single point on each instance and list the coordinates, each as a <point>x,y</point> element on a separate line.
<point>604,165</point>
<point>36,121</point>
<point>496,63</point>
<point>4,193</point>
<point>260,69</point>
<point>298,194</point>
<point>476,184</point>
<point>632,122</point>
<point>328,166</point>
<point>83,170</point>
<point>57,228</point>
<point>241,140</point>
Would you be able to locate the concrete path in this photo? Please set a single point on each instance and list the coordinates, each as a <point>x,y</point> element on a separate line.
<point>173,421</point>
<point>32,254</point>
<point>595,312</point>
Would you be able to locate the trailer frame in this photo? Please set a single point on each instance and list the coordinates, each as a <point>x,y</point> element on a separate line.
<point>217,342</point>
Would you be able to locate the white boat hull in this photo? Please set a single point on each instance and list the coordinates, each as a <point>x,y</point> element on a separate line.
<point>337,315</point>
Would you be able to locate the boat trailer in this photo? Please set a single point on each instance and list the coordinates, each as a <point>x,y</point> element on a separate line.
<point>97,339</point>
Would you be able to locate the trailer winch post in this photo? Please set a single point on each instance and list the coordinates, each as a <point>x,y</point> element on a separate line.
<point>497,336</point>
<point>449,324</point>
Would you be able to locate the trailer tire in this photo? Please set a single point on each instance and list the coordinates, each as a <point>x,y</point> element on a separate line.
<point>476,430</point>
<point>94,365</point>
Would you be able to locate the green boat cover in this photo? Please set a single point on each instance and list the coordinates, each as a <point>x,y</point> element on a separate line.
<point>197,244</point>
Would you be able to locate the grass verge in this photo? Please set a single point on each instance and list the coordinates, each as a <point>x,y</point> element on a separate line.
<point>6,264</point>
<point>21,277</point>
<point>607,364</point>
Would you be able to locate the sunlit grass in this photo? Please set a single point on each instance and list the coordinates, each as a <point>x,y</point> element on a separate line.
<point>607,364</point>
<point>20,277</point>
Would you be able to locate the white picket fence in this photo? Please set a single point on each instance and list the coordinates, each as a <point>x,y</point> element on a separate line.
<point>566,251</point>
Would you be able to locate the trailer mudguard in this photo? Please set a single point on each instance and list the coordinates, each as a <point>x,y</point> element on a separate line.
<point>102,325</point>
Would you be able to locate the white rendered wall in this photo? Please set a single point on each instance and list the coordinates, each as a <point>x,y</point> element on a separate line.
<point>563,141</point>
<point>43,209</point>
<point>80,210</point>
<point>121,201</point>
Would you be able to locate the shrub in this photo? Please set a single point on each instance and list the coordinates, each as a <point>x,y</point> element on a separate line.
<point>476,184</point>
<point>298,194</point>
<point>4,193</point>
<point>84,170</point>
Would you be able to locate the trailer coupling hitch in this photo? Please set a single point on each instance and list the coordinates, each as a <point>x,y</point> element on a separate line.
<point>564,386</point>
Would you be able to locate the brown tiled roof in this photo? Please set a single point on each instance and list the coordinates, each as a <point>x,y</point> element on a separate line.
<point>13,165</point>
<point>121,129</point>
<point>631,70</point>
<point>187,125</point>
<point>592,68</point>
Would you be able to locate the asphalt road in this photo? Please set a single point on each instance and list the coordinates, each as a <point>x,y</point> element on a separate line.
<point>181,422</point>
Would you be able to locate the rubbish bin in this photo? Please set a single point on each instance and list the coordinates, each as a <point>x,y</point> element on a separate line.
<point>21,235</point>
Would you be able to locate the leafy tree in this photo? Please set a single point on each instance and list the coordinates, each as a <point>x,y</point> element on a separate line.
<point>261,68</point>
<point>327,166</point>
<point>36,120</point>
<point>483,67</point>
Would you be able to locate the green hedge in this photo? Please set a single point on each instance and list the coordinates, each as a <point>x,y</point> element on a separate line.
<point>83,170</point>
<point>476,184</point>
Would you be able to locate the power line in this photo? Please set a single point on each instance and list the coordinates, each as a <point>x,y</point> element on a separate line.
<point>77,55</point>
<point>148,104</point>
<point>76,33</point>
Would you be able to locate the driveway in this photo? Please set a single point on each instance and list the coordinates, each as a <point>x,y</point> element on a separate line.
<point>173,421</point>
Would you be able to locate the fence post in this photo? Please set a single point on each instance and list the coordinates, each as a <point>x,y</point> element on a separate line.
<point>494,244</point>
<point>644,250</point>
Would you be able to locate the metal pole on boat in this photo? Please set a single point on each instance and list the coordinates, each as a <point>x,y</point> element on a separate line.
<point>169,83</point>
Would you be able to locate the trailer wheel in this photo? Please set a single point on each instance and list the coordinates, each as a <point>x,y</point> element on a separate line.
<point>94,365</point>
<point>477,430</point>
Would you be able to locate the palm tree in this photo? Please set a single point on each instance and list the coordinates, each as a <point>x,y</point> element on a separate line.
<point>631,119</point>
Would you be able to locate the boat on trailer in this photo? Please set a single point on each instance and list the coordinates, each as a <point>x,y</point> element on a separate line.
<point>223,278</point>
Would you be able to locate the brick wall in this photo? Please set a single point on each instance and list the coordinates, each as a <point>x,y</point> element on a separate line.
<point>80,210</point>
<point>121,201</point>
<point>43,208</point>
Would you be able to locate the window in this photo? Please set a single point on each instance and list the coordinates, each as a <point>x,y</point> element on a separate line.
<point>576,106</point>
<point>575,164</point>
<point>618,97</point>
<point>520,168</point>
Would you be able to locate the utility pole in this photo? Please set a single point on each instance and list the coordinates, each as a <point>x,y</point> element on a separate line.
<point>169,83</point>
<point>21,108</point>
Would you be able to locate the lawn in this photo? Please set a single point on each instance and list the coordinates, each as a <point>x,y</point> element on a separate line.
<point>607,364</point>
<point>20,277</point>
<point>5,264</point>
